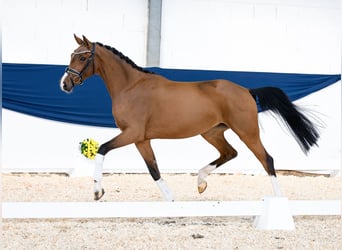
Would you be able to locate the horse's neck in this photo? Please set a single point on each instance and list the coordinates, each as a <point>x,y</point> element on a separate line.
<point>117,74</point>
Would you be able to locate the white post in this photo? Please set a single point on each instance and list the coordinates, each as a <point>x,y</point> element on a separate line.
<point>275,214</point>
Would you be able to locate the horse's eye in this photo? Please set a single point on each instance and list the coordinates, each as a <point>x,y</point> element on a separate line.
<point>83,58</point>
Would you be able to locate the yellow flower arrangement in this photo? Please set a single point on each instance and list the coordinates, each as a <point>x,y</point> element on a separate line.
<point>89,148</point>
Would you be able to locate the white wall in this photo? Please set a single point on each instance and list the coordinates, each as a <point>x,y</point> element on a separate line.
<point>261,35</point>
<point>41,31</point>
<point>273,36</point>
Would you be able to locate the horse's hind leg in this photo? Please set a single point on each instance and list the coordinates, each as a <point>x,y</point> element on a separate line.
<point>253,142</point>
<point>146,152</point>
<point>215,137</point>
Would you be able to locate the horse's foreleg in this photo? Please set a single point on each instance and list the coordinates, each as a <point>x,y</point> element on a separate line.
<point>98,190</point>
<point>215,137</point>
<point>123,139</point>
<point>146,152</point>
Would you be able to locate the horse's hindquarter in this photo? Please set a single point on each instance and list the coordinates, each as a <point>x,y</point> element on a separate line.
<point>183,109</point>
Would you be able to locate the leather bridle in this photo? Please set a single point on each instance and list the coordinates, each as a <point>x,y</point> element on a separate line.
<point>79,74</point>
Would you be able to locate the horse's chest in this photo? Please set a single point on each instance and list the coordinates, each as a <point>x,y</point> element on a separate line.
<point>125,115</point>
<point>119,112</point>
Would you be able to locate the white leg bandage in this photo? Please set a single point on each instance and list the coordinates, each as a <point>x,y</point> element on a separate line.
<point>98,171</point>
<point>165,190</point>
<point>275,186</point>
<point>204,172</point>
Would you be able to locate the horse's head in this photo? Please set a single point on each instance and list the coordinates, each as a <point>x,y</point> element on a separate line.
<point>81,65</point>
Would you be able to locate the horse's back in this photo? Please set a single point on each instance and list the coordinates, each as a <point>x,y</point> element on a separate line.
<point>222,95</point>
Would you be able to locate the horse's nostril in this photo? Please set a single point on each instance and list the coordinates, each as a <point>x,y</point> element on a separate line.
<point>64,86</point>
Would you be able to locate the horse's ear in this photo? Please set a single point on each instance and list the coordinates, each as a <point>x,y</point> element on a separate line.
<point>87,43</point>
<point>79,40</point>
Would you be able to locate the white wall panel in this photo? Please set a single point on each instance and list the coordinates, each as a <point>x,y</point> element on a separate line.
<point>278,36</point>
<point>269,36</point>
<point>42,31</point>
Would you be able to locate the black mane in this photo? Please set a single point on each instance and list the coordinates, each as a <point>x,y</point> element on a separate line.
<point>125,58</point>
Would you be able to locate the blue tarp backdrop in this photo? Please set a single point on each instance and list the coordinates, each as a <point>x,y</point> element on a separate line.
<point>33,89</point>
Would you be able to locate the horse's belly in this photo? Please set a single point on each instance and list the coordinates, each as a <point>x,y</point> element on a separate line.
<point>181,125</point>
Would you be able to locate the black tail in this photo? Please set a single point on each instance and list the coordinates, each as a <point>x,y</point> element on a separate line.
<point>274,99</point>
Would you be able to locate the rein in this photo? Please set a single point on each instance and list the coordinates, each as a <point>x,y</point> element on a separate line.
<point>69,70</point>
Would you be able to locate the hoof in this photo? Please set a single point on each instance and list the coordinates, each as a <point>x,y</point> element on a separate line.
<point>202,187</point>
<point>98,195</point>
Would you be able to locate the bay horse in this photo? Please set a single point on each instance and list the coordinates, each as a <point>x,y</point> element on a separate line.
<point>147,106</point>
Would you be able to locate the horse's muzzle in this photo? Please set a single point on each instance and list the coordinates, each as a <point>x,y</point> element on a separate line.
<point>64,85</point>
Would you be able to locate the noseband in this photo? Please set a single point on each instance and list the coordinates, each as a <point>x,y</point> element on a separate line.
<point>69,70</point>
